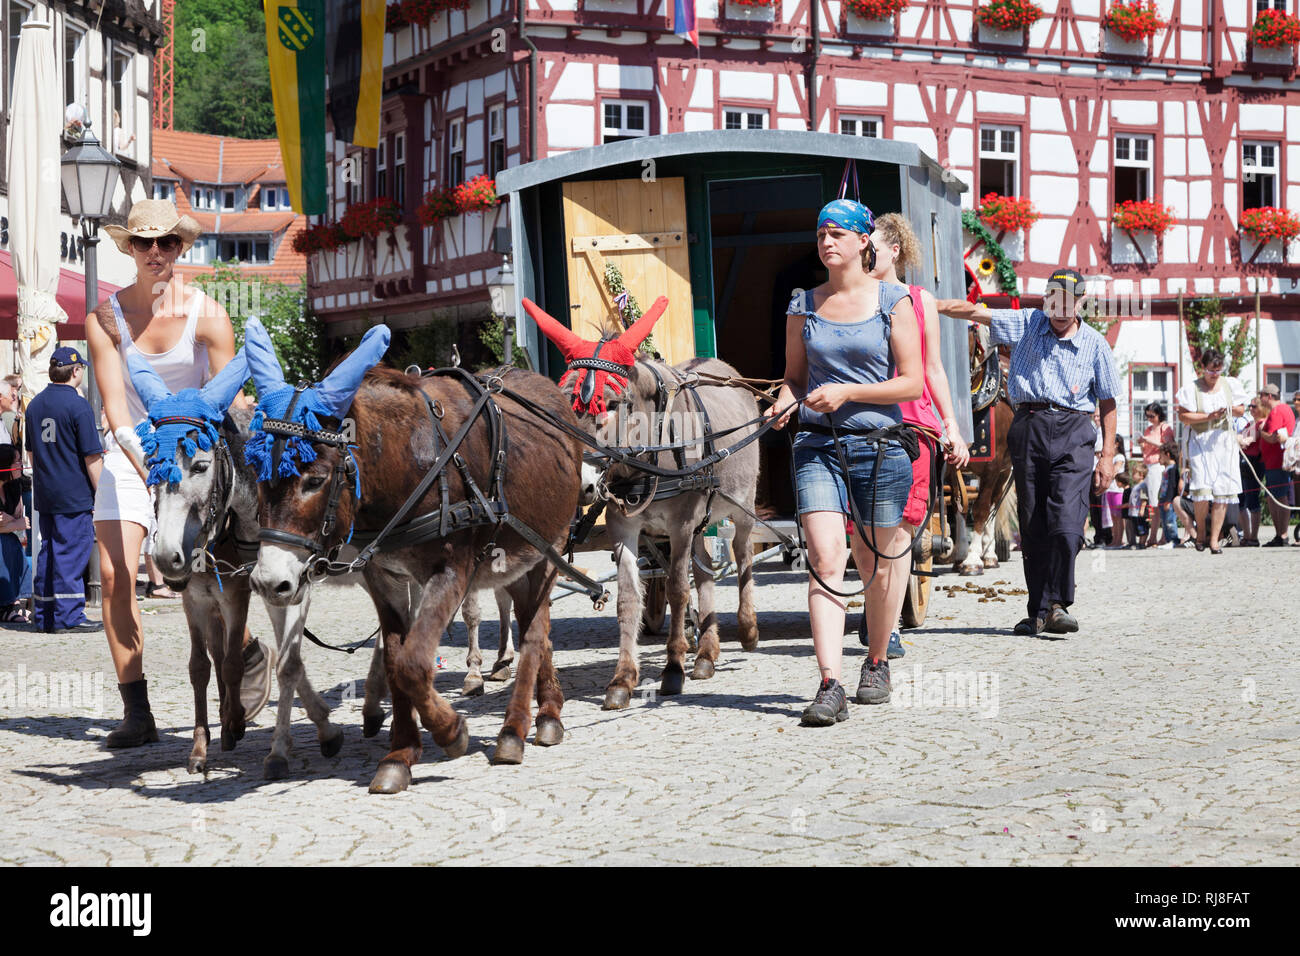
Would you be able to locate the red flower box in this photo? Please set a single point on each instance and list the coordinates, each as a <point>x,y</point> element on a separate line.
<point>370,218</point>
<point>1007,213</point>
<point>1149,215</point>
<point>1270,222</point>
<point>475,195</point>
<point>419,12</point>
<point>753,3</point>
<point>877,9</point>
<point>1134,20</point>
<point>321,237</point>
<point>1274,28</point>
<point>1009,14</point>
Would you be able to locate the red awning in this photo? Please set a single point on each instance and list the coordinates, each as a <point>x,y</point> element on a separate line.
<point>71,295</point>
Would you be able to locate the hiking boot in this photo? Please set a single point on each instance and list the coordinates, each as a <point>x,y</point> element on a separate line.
<point>873,687</point>
<point>829,707</point>
<point>255,687</point>
<point>137,726</point>
<point>1060,621</point>
<point>896,649</point>
<point>1028,627</point>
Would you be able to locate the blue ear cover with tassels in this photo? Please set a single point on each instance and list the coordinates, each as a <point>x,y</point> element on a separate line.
<point>330,398</point>
<point>206,405</point>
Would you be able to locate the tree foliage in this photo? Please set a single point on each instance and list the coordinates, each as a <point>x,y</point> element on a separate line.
<point>222,80</point>
<point>1207,327</point>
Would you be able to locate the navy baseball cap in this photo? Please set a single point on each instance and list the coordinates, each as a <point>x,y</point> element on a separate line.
<point>66,356</point>
<point>1068,279</point>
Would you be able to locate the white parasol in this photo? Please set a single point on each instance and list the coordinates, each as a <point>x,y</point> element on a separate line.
<point>35,190</point>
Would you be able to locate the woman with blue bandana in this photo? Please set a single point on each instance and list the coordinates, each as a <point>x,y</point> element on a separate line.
<point>853,352</point>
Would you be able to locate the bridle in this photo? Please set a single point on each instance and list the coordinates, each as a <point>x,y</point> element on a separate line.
<point>345,468</point>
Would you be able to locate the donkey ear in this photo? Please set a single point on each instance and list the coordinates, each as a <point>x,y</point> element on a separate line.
<point>263,363</point>
<point>226,384</point>
<point>339,387</point>
<point>148,383</point>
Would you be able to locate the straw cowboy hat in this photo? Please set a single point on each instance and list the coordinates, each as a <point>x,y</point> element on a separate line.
<point>150,218</point>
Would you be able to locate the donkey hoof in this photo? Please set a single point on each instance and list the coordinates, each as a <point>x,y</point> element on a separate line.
<point>703,669</point>
<point>969,570</point>
<point>473,686</point>
<point>616,697</point>
<point>673,681</point>
<point>749,640</point>
<point>549,732</point>
<point>991,564</point>
<point>510,748</point>
<point>460,745</point>
<point>197,764</point>
<point>229,738</point>
<point>330,746</point>
<point>500,672</point>
<point>393,776</point>
<point>275,768</point>
<point>371,723</point>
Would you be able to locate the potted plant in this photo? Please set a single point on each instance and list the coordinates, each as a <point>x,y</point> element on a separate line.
<point>369,219</point>
<point>320,237</point>
<point>873,16</point>
<point>1007,21</point>
<point>437,205</point>
<point>1273,37</point>
<point>1268,223</point>
<point>1130,24</point>
<point>758,10</point>
<point>475,195</point>
<point>1145,215</point>
<point>1007,213</point>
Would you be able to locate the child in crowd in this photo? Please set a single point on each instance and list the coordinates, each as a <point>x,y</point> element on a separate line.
<point>1137,508</point>
<point>1120,509</point>
<point>1169,491</point>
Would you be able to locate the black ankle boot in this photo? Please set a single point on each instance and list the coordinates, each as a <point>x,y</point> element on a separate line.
<point>137,726</point>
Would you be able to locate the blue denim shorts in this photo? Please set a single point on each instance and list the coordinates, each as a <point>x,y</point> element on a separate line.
<point>819,480</point>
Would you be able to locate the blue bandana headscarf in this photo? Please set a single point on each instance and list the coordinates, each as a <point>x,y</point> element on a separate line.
<point>188,420</point>
<point>328,399</point>
<point>847,214</point>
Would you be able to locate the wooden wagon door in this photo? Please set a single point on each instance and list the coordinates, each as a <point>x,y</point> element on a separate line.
<point>641,228</point>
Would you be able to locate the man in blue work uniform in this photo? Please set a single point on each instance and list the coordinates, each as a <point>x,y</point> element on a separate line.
<point>66,460</point>
<point>1061,369</point>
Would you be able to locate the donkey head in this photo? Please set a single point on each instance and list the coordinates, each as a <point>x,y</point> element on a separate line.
<point>184,452</point>
<point>308,480</point>
<point>598,372</point>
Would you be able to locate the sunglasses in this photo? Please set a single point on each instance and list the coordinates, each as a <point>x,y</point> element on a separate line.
<point>167,244</point>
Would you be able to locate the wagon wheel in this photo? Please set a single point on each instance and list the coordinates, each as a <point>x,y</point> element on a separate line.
<point>656,604</point>
<point>917,599</point>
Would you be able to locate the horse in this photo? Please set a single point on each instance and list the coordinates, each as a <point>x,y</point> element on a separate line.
<point>205,500</point>
<point>614,386</point>
<point>351,456</point>
<point>991,456</point>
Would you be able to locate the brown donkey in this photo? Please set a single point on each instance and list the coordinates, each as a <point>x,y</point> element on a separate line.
<point>320,488</point>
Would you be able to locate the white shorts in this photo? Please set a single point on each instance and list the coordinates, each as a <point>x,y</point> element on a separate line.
<point>122,495</point>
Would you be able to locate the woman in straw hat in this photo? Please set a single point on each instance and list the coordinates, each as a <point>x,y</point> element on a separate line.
<point>186,337</point>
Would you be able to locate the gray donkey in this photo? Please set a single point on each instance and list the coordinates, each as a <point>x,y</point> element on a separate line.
<point>626,400</point>
<point>206,505</point>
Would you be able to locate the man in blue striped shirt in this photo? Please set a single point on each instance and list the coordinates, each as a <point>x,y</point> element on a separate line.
<point>1061,369</point>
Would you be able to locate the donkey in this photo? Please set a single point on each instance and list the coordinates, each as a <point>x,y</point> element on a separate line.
<point>320,487</point>
<point>206,505</point>
<point>612,386</point>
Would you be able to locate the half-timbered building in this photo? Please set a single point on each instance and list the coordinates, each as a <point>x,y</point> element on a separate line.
<point>1065,112</point>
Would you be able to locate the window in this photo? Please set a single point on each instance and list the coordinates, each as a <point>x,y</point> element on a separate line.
<point>1149,385</point>
<point>162,189</point>
<point>381,168</point>
<point>497,140</point>
<point>228,197</point>
<point>1286,379</point>
<point>123,100</point>
<point>1262,5</point>
<point>18,13</point>
<point>1133,163</point>
<point>199,253</point>
<point>399,169</point>
<point>74,64</point>
<point>455,152</point>
<point>1000,160</point>
<point>869,126</point>
<point>353,174</point>
<point>1259,175</point>
<point>743,119</point>
<point>246,250</point>
<point>622,119</point>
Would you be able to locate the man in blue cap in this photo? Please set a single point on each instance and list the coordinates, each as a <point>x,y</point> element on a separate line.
<point>63,438</point>
<point>1061,369</point>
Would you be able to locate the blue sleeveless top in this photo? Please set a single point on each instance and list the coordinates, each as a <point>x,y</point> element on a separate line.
<point>848,353</point>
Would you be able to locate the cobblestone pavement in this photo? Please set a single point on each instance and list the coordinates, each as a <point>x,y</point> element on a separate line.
<point>1165,732</point>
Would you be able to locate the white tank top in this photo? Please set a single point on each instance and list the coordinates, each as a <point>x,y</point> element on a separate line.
<point>184,365</point>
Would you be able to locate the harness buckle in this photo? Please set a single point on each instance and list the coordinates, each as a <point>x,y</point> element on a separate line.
<point>318,569</point>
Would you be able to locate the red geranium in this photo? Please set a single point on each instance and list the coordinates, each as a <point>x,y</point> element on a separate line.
<point>1270,222</point>
<point>877,9</point>
<point>321,237</point>
<point>371,218</point>
<point>438,204</point>
<point>1148,215</point>
<point>753,3</point>
<point>1134,20</point>
<point>1007,213</point>
<point>475,195</point>
<point>1009,14</point>
<point>419,12</point>
<point>1274,28</point>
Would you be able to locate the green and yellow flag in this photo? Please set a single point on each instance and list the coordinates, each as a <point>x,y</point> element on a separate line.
<point>355,62</point>
<point>295,45</point>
